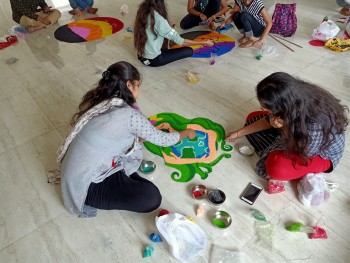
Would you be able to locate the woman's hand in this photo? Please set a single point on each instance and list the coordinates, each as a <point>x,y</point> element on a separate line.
<point>208,43</point>
<point>258,43</point>
<point>276,122</point>
<point>191,133</point>
<point>232,136</point>
<point>47,9</point>
<point>203,17</point>
<point>187,133</point>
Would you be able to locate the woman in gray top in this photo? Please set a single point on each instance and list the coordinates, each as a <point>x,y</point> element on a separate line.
<point>101,155</point>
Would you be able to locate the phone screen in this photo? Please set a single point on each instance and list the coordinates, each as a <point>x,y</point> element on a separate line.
<point>251,193</point>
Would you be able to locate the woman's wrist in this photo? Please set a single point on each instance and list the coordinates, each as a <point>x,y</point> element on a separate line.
<point>237,134</point>
<point>199,14</point>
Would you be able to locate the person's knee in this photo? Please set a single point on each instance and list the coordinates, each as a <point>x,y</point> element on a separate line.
<point>235,16</point>
<point>184,25</point>
<point>276,167</point>
<point>243,16</point>
<point>153,199</point>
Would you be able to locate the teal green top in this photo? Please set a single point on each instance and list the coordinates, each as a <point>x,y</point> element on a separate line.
<point>163,30</point>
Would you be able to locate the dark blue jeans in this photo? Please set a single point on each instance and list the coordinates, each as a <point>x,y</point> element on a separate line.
<point>190,20</point>
<point>247,24</point>
<point>167,56</point>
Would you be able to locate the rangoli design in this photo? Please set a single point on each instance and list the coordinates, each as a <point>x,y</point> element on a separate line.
<point>223,43</point>
<point>190,157</point>
<point>88,29</point>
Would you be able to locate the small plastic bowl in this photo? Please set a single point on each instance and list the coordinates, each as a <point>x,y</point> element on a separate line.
<point>216,197</point>
<point>245,150</point>
<point>147,167</point>
<point>221,219</point>
<point>193,76</point>
<point>199,191</point>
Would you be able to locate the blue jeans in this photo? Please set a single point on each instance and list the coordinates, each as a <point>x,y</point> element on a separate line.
<point>82,4</point>
<point>247,24</point>
<point>190,20</point>
<point>167,56</point>
<point>342,3</point>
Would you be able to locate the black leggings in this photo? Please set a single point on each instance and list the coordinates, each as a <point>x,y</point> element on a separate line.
<point>190,20</point>
<point>167,56</point>
<point>121,192</point>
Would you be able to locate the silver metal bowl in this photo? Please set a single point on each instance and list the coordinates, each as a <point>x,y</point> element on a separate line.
<point>199,191</point>
<point>216,196</point>
<point>246,150</point>
<point>147,167</point>
<point>221,219</point>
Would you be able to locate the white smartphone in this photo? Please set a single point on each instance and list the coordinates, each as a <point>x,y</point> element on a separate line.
<point>251,193</point>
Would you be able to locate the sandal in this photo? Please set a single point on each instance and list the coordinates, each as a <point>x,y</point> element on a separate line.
<point>9,41</point>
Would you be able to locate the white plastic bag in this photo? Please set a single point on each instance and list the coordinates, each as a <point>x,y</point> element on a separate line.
<point>313,189</point>
<point>185,238</point>
<point>325,31</point>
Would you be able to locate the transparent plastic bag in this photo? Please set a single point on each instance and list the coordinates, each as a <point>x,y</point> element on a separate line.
<point>124,10</point>
<point>267,49</point>
<point>313,189</point>
<point>327,29</point>
<point>185,238</point>
<point>222,255</point>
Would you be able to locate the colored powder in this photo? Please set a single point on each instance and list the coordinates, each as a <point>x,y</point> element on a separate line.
<point>319,232</point>
<point>257,214</point>
<point>295,227</point>
<point>219,223</point>
<point>197,194</point>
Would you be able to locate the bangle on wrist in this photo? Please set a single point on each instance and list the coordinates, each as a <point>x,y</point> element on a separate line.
<point>237,134</point>
<point>200,13</point>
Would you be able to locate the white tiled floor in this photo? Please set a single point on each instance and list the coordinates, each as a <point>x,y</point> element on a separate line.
<point>41,91</point>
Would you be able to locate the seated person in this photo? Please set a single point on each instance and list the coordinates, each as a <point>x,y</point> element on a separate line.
<point>80,6</point>
<point>299,130</point>
<point>203,10</point>
<point>100,157</point>
<point>252,20</point>
<point>27,14</point>
<point>345,4</point>
<point>151,29</point>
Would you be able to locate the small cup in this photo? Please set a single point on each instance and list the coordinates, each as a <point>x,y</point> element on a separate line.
<point>221,219</point>
<point>193,76</point>
<point>245,150</point>
<point>147,167</point>
<point>216,197</point>
<point>199,191</point>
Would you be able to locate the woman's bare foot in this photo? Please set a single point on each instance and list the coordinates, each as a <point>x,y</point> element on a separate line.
<point>32,29</point>
<point>92,10</point>
<point>248,43</point>
<point>78,12</point>
<point>243,39</point>
<point>212,26</point>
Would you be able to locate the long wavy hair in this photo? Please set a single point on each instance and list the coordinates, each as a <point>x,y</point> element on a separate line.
<point>113,84</point>
<point>299,104</point>
<point>146,9</point>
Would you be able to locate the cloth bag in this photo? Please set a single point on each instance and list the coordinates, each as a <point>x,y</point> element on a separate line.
<point>327,29</point>
<point>284,19</point>
<point>185,238</point>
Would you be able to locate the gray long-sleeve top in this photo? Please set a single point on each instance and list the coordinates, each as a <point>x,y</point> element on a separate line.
<point>102,148</point>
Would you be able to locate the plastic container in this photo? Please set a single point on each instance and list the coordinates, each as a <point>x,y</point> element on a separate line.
<point>193,76</point>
